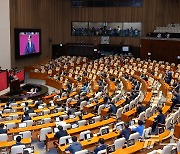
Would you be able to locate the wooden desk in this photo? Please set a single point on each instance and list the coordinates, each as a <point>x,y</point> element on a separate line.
<point>127,115</point>
<point>11,143</point>
<point>140,145</point>
<point>147,98</point>
<point>89,143</point>
<point>91,106</point>
<point>50,137</point>
<point>177,130</point>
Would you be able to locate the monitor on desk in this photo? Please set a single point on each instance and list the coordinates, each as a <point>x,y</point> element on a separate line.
<point>105,131</point>
<point>119,127</point>
<point>111,148</point>
<point>56,130</point>
<point>88,136</point>
<point>22,125</point>
<point>74,125</point>
<point>57,119</point>
<point>130,142</point>
<point>71,116</point>
<point>132,122</point>
<point>91,121</point>
<point>69,141</point>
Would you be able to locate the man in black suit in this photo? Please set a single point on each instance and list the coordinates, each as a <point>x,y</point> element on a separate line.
<point>140,108</point>
<point>30,110</point>
<point>26,116</point>
<point>7,106</point>
<point>30,47</point>
<point>2,130</point>
<point>61,132</point>
<point>101,146</point>
<point>18,141</point>
<point>126,132</point>
<point>160,119</point>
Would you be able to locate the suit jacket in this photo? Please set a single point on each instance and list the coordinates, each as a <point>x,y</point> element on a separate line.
<point>18,143</point>
<point>160,119</point>
<point>30,48</point>
<point>60,134</point>
<point>99,148</point>
<point>74,147</point>
<point>126,133</point>
<point>3,131</point>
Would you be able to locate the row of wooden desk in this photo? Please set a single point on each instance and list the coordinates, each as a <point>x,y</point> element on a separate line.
<point>50,137</point>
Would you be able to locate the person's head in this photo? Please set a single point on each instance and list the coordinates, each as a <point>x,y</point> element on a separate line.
<point>26,103</point>
<point>160,111</point>
<point>101,141</point>
<point>60,127</point>
<point>126,125</point>
<point>74,138</point>
<point>18,139</point>
<point>1,125</point>
<point>7,104</point>
<point>140,122</point>
<point>26,113</point>
<point>139,104</point>
<point>61,118</point>
<point>29,38</point>
<point>80,117</point>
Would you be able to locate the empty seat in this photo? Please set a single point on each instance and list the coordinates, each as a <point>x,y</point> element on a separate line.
<point>119,143</point>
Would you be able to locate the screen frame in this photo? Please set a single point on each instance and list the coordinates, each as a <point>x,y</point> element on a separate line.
<point>17,41</point>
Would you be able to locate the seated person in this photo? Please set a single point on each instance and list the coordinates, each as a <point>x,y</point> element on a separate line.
<point>126,132</point>
<point>7,106</point>
<point>18,141</point>
<point>2,129</point>
<point>30,110</point>
<point>160,119</point>
<point>140,108</point>
<point>70,113</point>
<point>61,122</point>
<point>26,106</point>
<point>75,146</point>
<point>26,116</point>
<point>60,133</point>
<point>175,100</point>
<point>39,102</point>
<point>139,128</point>
<point>101,146</point>
<point>112,108</point>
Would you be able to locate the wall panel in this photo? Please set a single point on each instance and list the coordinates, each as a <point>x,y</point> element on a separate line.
<point>54,18</point>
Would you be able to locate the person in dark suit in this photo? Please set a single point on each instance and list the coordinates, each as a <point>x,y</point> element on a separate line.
<point>7,106</point>
<point>75,146</point>
<point>160,119</point>
<point>101,146</point>
<point>140,108</point>
<point>26,116</point>
<point>2,130</point>
<point>18,141</point>
<point>112,108</point>
<point>30,47</point>
<point>30,110</point>
<point>61,132</point>
<point>126,132</point>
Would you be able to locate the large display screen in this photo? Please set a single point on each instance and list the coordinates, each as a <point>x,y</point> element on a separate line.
<point>27,42</point>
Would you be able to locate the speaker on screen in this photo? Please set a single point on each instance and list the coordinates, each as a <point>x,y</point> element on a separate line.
<point>27,42</point>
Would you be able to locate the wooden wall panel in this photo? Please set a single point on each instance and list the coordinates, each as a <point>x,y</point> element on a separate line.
<point>54,18</point>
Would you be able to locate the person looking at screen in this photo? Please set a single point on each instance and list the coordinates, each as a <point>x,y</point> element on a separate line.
<point>30,48</point>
